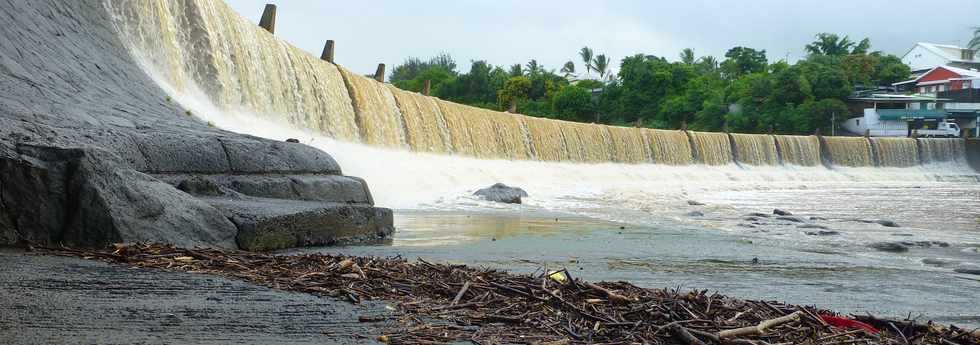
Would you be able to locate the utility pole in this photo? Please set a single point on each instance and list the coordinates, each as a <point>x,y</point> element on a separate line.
<point>833,123</point>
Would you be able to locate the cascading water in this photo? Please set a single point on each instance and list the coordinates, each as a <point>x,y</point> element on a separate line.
<point>232,72</point>
<point>940,150</point>
<point>712,148</point>
<point>755,149</point>
<point>895,152</point>
<point>669,147</point>
<point>799,150</point>
<point>849,151</point>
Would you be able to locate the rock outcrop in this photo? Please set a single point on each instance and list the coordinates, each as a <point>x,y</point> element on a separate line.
<point>92,151</point>
<point>500,192</point>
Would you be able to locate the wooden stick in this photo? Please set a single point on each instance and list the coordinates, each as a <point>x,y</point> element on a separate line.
<point>759,329</point>
<point>681,334</point>
<point>613,296</point>
<point>462,291</point>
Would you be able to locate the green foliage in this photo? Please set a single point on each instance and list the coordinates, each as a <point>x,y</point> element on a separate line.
<point>742,93</point>
<point>573,103</point>
<point>413,67</point>
<point>741,61</point>
<point>514,90</point>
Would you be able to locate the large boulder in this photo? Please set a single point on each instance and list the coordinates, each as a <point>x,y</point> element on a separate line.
<point>500,192</point>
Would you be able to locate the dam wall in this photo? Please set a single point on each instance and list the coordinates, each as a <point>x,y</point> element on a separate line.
<point>207,49</point>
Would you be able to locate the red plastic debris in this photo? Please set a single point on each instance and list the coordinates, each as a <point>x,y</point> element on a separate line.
<point>848,323</point>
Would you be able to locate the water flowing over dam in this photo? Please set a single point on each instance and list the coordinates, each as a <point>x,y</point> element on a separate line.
<point>205,47</point>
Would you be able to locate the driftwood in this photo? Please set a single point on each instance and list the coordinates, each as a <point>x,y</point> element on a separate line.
<point>759,329</point>
<point>439,303</point>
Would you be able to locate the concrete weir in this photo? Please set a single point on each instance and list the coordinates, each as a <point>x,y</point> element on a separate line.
<point>973,153</point>
<point>93,151</point>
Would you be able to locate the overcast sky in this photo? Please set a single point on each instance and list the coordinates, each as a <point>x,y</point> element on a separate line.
<point>505,32</point>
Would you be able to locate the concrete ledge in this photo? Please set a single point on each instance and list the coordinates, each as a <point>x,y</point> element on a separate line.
<point>271,224</point>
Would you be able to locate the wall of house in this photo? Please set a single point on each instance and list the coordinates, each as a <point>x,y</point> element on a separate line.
<point>920,58</point>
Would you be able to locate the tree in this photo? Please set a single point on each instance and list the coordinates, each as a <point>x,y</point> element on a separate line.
<point>862,47</point>
<point>533,67</point>
<point>568,69</point>
<point>516,70</point>
<point>573,103</point>
<point>687,56</point>
<point>831,44</point>
<point>601,64</point>
<point>706,64</point>
<point>414,66</point>
<point>742,60</point>
<point>514,90</point>
<point>975,41</point>
<point>586,55</point>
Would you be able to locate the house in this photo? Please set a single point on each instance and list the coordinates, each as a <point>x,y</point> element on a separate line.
<point>925,56</point>
<point>941,79</point>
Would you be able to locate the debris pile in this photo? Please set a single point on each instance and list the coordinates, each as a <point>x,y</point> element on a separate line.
<point>439,303</point>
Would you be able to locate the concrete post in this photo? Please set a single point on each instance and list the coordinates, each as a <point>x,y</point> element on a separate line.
<point>684,126</point>
<point>268,21</point>
<point>915,133</point>
<point>379,75</point>
<point>427,87</point>
<point>513,107</point>
<point>867,133</point>
<point>327,54</point>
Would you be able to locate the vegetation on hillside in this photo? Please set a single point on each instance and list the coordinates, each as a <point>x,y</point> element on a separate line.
<point>742,92</point>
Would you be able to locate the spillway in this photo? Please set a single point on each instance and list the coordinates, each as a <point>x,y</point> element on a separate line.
<point>230,71</point>
<point>895,152</point>
<point>755,149</point>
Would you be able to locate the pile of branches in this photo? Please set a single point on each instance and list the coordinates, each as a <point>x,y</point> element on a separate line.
<point>439,303</point>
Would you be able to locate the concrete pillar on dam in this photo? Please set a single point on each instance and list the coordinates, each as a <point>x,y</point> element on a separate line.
<point>379,75</point>
<point>327,54</point>
<point>973,153</point>
<point>268,21</point>
<point>427,87</point>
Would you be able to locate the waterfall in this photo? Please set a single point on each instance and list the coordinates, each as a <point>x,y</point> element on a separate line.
<point>848,151</point>
<point>669,147</point>
<point>799,150</point>
<point>938,150</point>
<point>712,148</point>
<point>896,152</point>
<point>755,149</point>
<point>204,48</point>
<point>629,146</point>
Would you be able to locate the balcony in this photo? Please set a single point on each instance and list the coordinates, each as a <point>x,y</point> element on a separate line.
<point>961,96</point>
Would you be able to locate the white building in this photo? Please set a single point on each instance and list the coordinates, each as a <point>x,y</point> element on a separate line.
<point>925,56</point>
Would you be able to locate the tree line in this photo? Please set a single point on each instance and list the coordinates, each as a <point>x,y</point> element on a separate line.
<point>743,92</point>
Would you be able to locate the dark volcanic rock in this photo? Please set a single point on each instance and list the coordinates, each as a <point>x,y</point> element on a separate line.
<point>92,151</point>
<point>822,233</point>
<point>790,219</point>
<point>759,214</point>
<point>968,270</point>
<point>887,223</point>
<point>890,247</point>
<point>695,203</point>
<point>500,192</point>
<point>779,212</point>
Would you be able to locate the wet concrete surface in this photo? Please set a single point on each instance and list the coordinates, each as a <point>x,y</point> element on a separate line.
<point>59,300</point>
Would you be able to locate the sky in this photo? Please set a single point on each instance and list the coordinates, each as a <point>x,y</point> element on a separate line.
<point>505,32</point>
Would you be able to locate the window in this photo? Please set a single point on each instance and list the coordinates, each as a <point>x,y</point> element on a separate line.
<point>942,87</point>
<point>857,122</point>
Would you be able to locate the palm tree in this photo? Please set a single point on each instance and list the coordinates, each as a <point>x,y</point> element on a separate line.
<point>533,67</point>
<point>975,41</point>
<point>516,70</point>
<point>687,56</point>
<point>830,44</point>
<point>568,69</point>
<point>586,54</point>
<point>706,64</point>
<point>601,64</point>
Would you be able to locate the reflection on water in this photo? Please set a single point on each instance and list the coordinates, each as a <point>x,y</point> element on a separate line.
<point>658,246</point>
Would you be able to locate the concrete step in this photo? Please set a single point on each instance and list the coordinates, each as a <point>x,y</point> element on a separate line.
<point>271,224</point>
